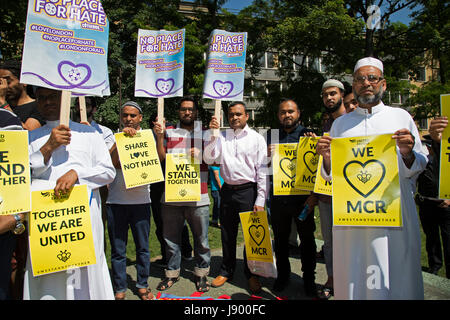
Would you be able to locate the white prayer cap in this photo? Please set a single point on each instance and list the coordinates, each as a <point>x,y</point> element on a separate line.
<point>333,83</point>
<point>369,61</point>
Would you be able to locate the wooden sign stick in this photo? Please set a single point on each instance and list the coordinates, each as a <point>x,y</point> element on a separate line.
<point>160,110</point>
<point>217,109</point>
<point>83,115</point>
<point>64,116</point>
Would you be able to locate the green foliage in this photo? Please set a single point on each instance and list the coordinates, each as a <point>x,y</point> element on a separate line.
<point>331,29</point>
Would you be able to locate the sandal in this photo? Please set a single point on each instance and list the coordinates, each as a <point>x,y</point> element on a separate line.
<point>145,294</point>
<point>167,283</point>
<point>202,284</point>
<point>120,296</point>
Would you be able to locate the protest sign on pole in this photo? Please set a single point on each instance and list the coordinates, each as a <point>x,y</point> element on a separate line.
<point>321,185</point>
<point>307,161</point>
<point>160,65</point>
<point>444,171</point>
<point>284,164</point>
<point>139,159</point>
<point>182,178</point>
<point>366,187</point>
<point>60,231</point>
<point>66,48</point>
<point>258,244</point>
<point>225,68</point>
<point>14,172</point>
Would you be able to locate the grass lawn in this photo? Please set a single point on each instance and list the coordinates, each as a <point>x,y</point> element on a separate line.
<point>215,242</point>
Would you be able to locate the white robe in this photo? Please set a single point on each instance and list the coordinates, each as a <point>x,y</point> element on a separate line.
<point>376,262</point>
<point>88,155</point>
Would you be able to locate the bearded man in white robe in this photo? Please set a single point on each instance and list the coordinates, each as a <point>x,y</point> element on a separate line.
<point>379,262</point>
<point>63,156</point>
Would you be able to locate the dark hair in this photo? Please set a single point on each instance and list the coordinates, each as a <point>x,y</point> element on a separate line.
<point>283,100</point>
<point>234,103</point>
<point>348,90</point>
<point>12,65</point>
<point>187,98</point>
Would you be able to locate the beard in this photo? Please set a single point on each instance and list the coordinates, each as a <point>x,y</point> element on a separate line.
<point>187,122</point>
<point>371,99</point>
<point>334,107</point>
<point>290,126</point>
<point>14,93</point>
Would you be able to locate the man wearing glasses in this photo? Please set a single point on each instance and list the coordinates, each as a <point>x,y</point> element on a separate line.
<point>378,262</point>
<point>187,138</point>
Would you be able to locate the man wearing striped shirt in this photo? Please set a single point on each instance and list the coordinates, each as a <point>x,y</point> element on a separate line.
<point>186,137</point>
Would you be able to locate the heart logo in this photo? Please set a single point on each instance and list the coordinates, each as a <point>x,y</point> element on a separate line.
<point>136,154</point>
<point>288,166</point>
<point>74,74</point>
<point>64,255</point>
<point>257,233</point>
<point>364,178</point>
<point>311,159</point>
<point>223,88</point>
<point>165,86</point>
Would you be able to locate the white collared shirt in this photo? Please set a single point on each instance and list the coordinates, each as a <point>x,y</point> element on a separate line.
<point>242,155</point>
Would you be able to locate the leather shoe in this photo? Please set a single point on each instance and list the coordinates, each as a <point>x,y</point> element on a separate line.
<point>219,281</point>
<point>254,285</point>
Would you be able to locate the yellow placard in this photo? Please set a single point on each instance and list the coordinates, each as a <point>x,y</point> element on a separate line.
<point>255,228</point>
<point>284,164</point>
<point>14,172</point>
<point>366,188</point>
<point>139,158</point>
<point>307,161</point>
<point>60,231</point>
<point>322,186</point>
<point>444,171</point>
<point>182,178</point>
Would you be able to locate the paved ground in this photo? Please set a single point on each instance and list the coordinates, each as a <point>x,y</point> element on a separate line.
<point>436,288</point>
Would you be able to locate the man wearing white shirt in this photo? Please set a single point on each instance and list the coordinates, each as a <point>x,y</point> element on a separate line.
<point>378,262</point>
<point>242,154</point>
<point>60,157</point>
<point>128,208</point>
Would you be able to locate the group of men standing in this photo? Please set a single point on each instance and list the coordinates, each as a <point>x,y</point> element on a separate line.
<point>60,157</point>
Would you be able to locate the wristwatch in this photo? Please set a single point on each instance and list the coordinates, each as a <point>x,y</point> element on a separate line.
<point>20,227</point>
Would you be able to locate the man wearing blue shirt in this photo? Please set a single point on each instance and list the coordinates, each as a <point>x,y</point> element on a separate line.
<point>284,208</point>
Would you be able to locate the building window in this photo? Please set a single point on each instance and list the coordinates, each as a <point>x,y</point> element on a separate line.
<point>271,60</point>
<point>421,75</point>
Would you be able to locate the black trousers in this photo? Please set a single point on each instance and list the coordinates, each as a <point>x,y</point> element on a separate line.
<point>7,246</point>
<point>282,212</point>
<point>232,203</point>
<point>435,219</point>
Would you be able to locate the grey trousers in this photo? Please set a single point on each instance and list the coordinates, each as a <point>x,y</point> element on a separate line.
<point>326,225</point>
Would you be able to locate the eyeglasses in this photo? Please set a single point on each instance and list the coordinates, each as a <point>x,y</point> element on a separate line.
<point>371,78</point>
<point>184,109</point>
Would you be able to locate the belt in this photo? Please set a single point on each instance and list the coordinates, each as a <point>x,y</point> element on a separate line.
<point>423,199</point>
<point>239,186</point>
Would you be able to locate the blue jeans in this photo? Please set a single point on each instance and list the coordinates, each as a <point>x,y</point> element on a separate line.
<point>215,194</point>
<point>173,222</point>
<point>137,216</point>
